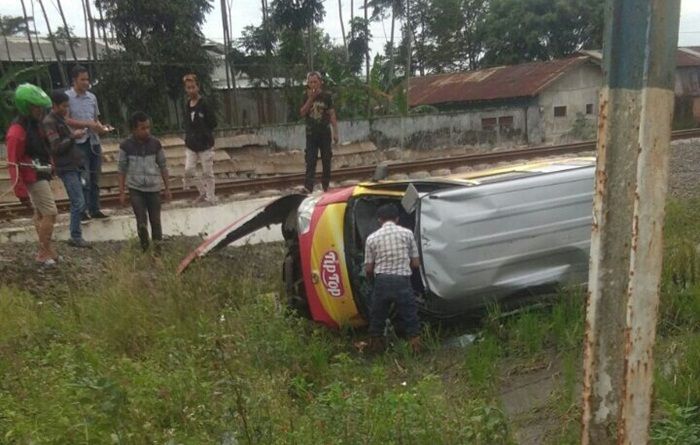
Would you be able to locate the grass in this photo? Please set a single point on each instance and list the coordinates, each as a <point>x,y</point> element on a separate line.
<point>210,358</point>
<point>213,357</point>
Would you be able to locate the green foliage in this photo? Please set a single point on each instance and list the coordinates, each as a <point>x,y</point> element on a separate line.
<point>359,38</point>
<point>161,41</point>
<point>678,369</point>
<point>679,426</point>
<point>211,357</point>
<point>63,36</point>
<point>8,82</point>
<point>297,14</point>
<point>452,38</point>
<point>481,363</point>
<point>12,25</point>
<point>583,129</point>
<point>518,31</point>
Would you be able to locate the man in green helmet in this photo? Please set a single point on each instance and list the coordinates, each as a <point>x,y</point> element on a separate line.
<point>30,167</point>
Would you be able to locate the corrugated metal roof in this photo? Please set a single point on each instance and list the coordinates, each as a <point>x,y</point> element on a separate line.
<point>502,82</point>
<point>686,56</point>
<point>19,49</point>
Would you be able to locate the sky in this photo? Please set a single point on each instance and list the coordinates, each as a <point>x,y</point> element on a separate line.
<point>247,12</point>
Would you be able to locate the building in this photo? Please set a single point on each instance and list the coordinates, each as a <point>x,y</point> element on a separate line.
<point>255,105</point>
<point>540,100</point>
<point>687,87</point>
<point>551,101</point>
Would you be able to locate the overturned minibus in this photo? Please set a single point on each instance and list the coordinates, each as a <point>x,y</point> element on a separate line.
<point>498,235</point>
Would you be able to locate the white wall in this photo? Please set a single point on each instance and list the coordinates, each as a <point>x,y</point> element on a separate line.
<point>573,90</point>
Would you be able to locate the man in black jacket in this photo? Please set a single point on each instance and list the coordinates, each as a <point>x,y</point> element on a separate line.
<point>320,117</point>
<point>68,160</point>
<point>200,122</point>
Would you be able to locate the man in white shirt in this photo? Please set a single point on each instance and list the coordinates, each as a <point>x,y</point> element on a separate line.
<point>390,254</point>
<point>84,113</point>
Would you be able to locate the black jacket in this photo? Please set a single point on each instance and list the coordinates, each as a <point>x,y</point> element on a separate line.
<point>67,156</point>
<point>200,122</point>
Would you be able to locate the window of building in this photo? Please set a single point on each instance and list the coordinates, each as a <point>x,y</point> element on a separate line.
<point>589,108</point>
<point>560,111</point>
<point>489,123</point>
<point>505,122</point>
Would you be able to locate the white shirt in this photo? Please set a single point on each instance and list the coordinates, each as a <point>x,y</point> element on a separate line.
<point>390,249</point>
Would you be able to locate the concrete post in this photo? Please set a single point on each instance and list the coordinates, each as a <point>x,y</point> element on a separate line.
<point>636,108</point>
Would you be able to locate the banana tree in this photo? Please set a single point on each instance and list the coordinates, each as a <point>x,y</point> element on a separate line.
<point>8,82</point>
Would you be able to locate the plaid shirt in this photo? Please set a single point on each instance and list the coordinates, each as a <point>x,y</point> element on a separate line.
<point>390,249</point>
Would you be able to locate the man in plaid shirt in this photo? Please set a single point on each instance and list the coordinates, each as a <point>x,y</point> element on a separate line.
<point>390,253</point>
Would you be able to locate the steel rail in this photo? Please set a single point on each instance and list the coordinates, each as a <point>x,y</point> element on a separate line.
<point>280,182</point>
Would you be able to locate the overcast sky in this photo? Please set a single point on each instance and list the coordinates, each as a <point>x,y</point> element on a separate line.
<point>247,12</point>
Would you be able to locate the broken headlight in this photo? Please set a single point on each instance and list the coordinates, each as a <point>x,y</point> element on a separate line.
<point>304,212</point>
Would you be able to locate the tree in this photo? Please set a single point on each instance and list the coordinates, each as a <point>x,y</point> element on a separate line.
<point>297,16</point>
<point>396,10</point>
<point>67,29</point>
<point>358,44</point>
<point>161,41</point>
<point>518,31</point>
<point>342,28</point>
<point>8,82</point>
<point>27,31</point>
<point>450,34</point>
<point>53,45</point>
<point>11,26</point>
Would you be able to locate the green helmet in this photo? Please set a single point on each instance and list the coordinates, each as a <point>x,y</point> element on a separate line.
<point>27,95</point>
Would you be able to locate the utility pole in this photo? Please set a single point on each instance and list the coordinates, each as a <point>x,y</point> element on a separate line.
<point>636,109</point>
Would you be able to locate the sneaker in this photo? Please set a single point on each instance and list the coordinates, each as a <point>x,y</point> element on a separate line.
<point>212,200</point>
<point>98,215</point>
<point>81,243</point>
<point>198,199</point>
<point>49,262</point>
<point>85,217</point>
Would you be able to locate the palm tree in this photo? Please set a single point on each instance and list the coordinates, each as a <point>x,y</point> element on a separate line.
<point>53,44</point>
<point>36,34</point>
<point>228,47</point>
<point>397,11</point>
<point>91,21</point>
<point>27,31</point>
<point>342,29</point>
<point>67,28</point>
<point>268,61</point>
<point>409,32</point>
<point>367,65</point>
<point>102,24</point>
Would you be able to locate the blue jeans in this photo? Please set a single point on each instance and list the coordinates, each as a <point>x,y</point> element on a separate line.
<point>396,289</point>
<point>74,189</point>
<point>92,156</point>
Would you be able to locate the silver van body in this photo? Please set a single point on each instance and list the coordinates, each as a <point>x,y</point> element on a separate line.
<point>505,235</point>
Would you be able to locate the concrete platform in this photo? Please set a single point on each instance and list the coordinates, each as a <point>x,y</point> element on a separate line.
<point>178,219</point>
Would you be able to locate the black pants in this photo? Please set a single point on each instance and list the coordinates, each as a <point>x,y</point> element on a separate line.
<point>146,207</point>
<point>318,141</point>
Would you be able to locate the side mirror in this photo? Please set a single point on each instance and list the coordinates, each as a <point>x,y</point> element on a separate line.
<point>410,198</point>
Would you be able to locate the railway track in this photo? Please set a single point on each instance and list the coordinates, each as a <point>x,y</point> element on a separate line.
<point>281,182</point>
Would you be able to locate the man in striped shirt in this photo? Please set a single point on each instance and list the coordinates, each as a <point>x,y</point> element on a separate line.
<point>390,253</point>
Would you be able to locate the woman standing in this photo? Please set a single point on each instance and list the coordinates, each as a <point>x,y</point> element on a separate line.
<point>200,122</point>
